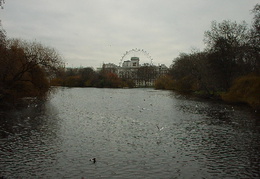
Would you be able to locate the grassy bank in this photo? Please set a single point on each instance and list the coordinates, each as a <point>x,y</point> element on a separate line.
<point>244,90</point>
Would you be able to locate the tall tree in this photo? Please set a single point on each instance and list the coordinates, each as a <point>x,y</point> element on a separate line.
<point>88,76</point>
<point>38,55</point>
<point>227,42</point>
<point>146,73</point>
<point>2,3</point>
<point>255,40</point>
<point>235,34</point>
<point>25,68</point>
<point>2,36</point>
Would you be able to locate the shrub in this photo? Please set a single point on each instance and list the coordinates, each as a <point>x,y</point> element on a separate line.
<point>185,84</point>
<point>164,82</point>
<point>57,82</point>
<point>73,81</point>
<point>244,90</point>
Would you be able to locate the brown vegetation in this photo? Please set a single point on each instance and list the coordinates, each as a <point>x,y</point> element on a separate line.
<point>87,77</point>
<point>231,54</point>
<point>25,68</point>
<point>164,82</point>
<point>245,89</point>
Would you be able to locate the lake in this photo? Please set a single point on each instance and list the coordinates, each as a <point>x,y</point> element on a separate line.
<point>132,133</point>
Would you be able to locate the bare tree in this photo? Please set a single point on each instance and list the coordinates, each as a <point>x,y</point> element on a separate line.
<point>227,43</point>
<point>2,35</point>
<point>2,3</point>
<point>25,68</point>
<point>37,54</point>
<point>234,33</point>
<point>146,74</point>
<point>255,40</point>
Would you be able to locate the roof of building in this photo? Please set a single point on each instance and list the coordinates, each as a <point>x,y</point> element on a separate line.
<point>134,58</point>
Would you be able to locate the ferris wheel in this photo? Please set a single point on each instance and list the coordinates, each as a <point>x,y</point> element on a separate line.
<point>144,56</point>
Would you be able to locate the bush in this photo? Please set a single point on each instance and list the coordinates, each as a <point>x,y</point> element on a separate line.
<point>164,82</point>
<point>57,82</point>
<point>244,90</point>
<point>73,81</point>
<point>185,84</point>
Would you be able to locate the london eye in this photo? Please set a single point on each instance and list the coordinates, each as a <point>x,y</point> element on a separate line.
<point>144,56</point>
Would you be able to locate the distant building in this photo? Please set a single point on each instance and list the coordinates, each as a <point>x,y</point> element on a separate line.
<point>110,67</point>
<point>133,63</point>
<point>162,69</point>
<point>143,75</point>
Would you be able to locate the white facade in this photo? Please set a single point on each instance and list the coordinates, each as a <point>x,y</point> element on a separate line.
<point>133,63</point>
<point>142,75</point>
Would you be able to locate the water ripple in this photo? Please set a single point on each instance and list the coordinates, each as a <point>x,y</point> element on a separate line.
<point>133,133</point>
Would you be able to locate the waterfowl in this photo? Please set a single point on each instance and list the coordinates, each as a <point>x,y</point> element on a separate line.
<point>93,160</point>
<point>159,129</point>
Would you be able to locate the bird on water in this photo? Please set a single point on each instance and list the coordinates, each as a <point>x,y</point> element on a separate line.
<point>93,160</point>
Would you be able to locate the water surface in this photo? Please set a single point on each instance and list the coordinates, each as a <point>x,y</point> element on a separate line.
<point>133,133</point>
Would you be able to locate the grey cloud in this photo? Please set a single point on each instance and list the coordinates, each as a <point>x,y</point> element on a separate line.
<point>90,32</point>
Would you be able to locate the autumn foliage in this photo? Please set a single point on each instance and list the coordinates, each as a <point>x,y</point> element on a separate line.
<point>25,69</point>
<point>245,89</point>
<point>87,77</point>
<point>164,82</point>
<point>224,69</point>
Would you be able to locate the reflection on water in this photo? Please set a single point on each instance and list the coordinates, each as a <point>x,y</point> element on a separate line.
<point>133,133</point>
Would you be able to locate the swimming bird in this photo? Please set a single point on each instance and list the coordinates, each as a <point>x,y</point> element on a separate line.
<point>159,129</point>
<point>93,160</point>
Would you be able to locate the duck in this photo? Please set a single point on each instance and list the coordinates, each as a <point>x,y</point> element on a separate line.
<point>93,160</point>
<point>159,129</point>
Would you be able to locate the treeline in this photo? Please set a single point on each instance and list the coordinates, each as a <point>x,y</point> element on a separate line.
<point>228,68</point>
<point>87,77</point>
<point>25,68</point>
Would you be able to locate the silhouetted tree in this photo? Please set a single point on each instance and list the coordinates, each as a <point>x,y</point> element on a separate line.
<point>146,73</point>
<point>2,36</point>
<point>185,71</point>
<point>226,43</point>
<point>88,76</point>
<point>25,68</point>
<point>254,54</point>
<point>230,62</point>
<point>2,3</point>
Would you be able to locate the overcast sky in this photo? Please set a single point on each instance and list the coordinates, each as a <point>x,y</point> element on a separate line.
<point>92,32</point>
